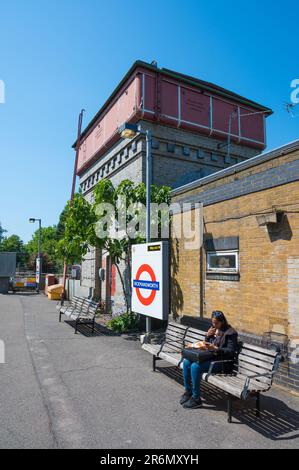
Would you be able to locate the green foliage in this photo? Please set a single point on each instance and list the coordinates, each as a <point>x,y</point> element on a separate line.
<point>60,229</point>
<point>2,232</point>
<point>123,323</point>
<point>77,224</point>
<point>133,195</point>
<point>79,220</point>
<point>11,244</point>
<point>49,243</point>
<point>105,193</point>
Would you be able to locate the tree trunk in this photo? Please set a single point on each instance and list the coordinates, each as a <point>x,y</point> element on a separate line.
<point>123,286</point>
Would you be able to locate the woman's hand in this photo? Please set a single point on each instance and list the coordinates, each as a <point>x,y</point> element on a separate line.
<point>212,347</point>
<point>211,332</point>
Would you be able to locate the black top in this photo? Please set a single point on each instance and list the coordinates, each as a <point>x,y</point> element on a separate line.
<point>227,343</point>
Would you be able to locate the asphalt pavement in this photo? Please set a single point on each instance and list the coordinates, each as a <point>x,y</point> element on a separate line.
<point>61,390</point>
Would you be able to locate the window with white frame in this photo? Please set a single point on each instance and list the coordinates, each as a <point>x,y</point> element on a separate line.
<point>223,261</point>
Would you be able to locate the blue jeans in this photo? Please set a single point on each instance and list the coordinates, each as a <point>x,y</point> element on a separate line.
<point>192,372</point>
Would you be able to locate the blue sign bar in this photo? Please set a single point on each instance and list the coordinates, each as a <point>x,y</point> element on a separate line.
<point>150,285</point>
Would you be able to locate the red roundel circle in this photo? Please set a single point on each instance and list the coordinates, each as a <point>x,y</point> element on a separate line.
<point>145,268</point>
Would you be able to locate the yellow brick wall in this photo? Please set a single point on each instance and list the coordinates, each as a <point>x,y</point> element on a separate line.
<point>259,301</point>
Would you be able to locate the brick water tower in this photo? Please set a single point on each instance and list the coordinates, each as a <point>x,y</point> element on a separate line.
<point>198,128</point>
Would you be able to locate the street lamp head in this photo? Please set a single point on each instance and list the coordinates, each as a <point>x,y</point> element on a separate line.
<point>31,221</point>
<point>128,131</point>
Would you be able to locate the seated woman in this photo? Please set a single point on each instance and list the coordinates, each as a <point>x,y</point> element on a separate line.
<point>222,340</point>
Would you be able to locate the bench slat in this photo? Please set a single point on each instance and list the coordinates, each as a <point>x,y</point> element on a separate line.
<point>173,358</point>
<point>256,355</point>
<point>151,348</point>
<point>265,351</point>
<point>223,384</point>
<point>176,325</point>
<point>172,347</point>
<point>195,336</point>
<point>255,383</point>
<point>233,385</point>
<point>177,334</point>
<point>255,362</point>
<point>252,367</point>
<point>254,371</point>
<point>193,331</point>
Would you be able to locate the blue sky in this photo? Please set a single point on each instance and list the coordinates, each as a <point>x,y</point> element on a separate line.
<point>59,56</point>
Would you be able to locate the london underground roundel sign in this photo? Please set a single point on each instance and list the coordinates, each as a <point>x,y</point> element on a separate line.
<point>150,287</point>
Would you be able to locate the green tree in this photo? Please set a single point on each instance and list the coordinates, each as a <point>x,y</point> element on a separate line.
<point>77,226</point>
<point>60,229</point>
<point>12,244</point>
<point>119,249</point>
<point>78,232</point>
<point>49,243</point>
<point>2,232</point>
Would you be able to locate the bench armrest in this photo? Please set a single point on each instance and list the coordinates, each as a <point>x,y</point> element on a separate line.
<point>266,374</point>
<point>257,376</point>
<point>60,304</point>
<point>218,362</point>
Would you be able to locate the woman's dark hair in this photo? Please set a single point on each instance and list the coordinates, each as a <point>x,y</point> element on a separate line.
<point>221,317</point>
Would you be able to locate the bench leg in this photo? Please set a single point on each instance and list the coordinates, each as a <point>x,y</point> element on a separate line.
<point>258,405</point>
<point>229,409</point>
<point>60,317</point>
<point>93,326</point>
<point>76,328</point>
<point>154,363</point>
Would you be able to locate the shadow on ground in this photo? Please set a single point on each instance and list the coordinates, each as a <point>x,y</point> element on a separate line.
<point>101,330</point>
<point>277,419</point>
<point>86,330</point>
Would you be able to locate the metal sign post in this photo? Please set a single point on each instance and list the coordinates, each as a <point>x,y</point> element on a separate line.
<point>38,273</point>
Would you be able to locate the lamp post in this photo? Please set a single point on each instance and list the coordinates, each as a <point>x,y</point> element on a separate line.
<point>38,260</point>
<point>129,131</point>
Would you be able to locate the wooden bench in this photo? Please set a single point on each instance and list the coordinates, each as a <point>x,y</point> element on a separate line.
<point>170,349</point>
<point>81,310</point>
<point>75,304</point>
<point>253,372</point>
<point>252,369</point>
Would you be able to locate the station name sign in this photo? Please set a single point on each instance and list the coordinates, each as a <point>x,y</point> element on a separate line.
<point>150,280</point>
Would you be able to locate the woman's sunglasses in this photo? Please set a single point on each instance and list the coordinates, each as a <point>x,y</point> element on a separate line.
<point>218,315</point>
